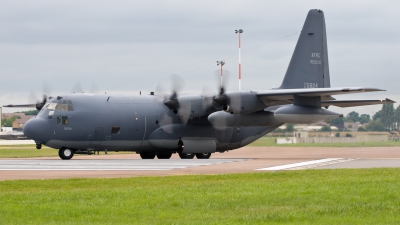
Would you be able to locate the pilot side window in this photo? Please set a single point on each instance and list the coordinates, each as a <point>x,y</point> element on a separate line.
<point>62,119</point>
<point>115,130</point>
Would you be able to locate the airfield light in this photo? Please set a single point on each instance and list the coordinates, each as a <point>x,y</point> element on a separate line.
<point>222,63</point>
<point>240,66</point>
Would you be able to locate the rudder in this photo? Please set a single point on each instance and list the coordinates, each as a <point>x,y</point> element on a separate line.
<point>308,67</point>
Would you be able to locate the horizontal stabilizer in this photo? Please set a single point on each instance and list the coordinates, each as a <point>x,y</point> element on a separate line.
<point>351,103</point>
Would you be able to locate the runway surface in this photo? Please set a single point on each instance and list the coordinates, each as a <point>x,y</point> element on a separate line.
<point>244,160</point>
<point>106,164</point>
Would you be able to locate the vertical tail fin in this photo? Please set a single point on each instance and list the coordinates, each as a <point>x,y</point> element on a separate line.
<point>309,67</point>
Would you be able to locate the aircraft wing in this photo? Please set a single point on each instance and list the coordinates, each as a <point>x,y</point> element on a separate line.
<point>351,103</point>
<point>286,94</point>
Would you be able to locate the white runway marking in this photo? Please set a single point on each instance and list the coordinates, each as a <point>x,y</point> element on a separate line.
<point>108,164</point>
<point>301,164</point>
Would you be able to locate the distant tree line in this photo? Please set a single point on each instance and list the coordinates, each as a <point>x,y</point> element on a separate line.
<point>387,119</point>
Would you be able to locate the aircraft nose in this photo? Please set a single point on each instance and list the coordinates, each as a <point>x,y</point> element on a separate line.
<point>37,129</point>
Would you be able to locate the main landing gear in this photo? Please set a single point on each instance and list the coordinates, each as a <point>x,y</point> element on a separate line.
<point>66,153</point>
<point>203,155</point>
<point>198,155</point>
<point>167,155</point>
<point>186,155</point>
<point>164,155</point>
<point>152,155</point>
<point>147,155</point>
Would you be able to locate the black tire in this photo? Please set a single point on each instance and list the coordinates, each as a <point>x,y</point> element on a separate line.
<point>66,153</point>
<point>186,155</point>
<point>147,155</point>
<point>164,155</point>
<point>203,155</point>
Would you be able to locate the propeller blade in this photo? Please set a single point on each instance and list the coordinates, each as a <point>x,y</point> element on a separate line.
<point>160,94</point>
<point>77,88</point>
<point>222,80</point>
<point>33,99</point>
<point>184,111</point>
<point>235,101</point>
<point>94,89</point>
<point>20,106</point>
<point>164,121</point>
<point>177,84</point>
<point>47,88</point>
<point>207,98</point>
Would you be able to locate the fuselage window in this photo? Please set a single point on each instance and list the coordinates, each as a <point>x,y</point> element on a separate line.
<point>115,130</point>
<point>62,119</point>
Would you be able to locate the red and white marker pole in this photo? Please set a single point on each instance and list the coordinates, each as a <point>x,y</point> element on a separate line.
<point>240,65</point>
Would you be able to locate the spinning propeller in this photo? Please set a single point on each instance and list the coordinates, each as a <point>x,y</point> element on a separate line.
<point>33,100</point>
<point>77,88</point>
<point>180,106</point>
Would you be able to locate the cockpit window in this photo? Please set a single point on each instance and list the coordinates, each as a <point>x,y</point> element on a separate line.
<point>45,106</point>
<point>52,106</point>
<point>65,105</point>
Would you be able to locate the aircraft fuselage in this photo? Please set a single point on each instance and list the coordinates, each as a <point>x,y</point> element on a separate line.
<point>89,122</point>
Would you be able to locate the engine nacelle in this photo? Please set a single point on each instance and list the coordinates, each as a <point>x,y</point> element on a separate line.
<point>222,120</point>
<point>304,114</point>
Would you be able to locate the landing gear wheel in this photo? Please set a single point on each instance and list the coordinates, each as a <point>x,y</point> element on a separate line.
<point>203,155</point>
<point>66,153</point>
<point>164,155</point>
<point>38,146</point>
<point>186,155</point>
<point>147,155</point>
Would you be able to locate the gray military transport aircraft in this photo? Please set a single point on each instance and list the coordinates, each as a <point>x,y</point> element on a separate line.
<point>195,125</point>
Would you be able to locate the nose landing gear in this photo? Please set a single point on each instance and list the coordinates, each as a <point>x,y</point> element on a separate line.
<point>66,153</point>
<point>39,146</point>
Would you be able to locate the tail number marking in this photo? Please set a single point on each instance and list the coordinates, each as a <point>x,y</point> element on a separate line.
<point>315,55</point>
<point>310,85</point>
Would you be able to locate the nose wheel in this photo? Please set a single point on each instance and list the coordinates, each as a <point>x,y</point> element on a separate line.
<point>66,153</point>
<point>38,146</point>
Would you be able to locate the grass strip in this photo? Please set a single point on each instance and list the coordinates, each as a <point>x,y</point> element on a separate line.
<point>342,196</point>
<point>29,151</point>
<point>270,142</point>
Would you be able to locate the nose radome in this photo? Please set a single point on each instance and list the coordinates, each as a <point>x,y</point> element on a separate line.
<point>37,129</point>
<point>28,131</point>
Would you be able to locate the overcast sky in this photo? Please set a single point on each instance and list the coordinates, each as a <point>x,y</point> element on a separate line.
<point>131,46</point>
